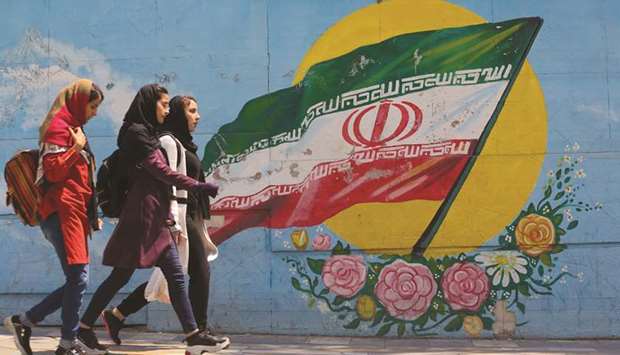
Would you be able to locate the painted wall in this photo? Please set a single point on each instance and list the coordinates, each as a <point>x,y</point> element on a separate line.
<point>560,121</point>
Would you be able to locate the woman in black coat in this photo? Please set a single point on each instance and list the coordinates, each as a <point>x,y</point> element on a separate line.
<point>143,238</point>
<point>180,123</point>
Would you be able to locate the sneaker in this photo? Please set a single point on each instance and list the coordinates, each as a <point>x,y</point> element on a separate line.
<point>202,342</point>
<point>74,350</point>
<point>218,338</point>
<point>113,325</point>
<point>21,334</point>
<point>88,340</point>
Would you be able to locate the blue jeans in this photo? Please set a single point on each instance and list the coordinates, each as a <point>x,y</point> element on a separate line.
<point>69,295</point>
<point>170,266</point>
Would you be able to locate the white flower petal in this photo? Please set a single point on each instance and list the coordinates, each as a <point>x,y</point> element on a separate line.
<point>521,261</point>
<point>497,278</point>
<point>514,276</point>
<point>493,269</point>
<point>520,269</point>
<point>505,279</point>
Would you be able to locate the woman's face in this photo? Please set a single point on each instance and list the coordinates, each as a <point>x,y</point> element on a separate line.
<point>192,115</point>
<point>163,108</point>
<point>91,108</point>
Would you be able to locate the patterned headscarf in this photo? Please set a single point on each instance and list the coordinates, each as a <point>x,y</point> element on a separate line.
<point>68,110</point>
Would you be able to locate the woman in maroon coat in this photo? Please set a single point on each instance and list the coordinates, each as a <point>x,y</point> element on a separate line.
<point>142,238</point>
<point>179,125</point>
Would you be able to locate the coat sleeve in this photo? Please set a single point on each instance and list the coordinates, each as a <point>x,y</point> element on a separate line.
<point>155,165</point>
<point>56,166</point>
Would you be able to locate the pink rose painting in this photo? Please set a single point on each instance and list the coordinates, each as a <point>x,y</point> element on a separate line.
<point>344,275</point>
<point>406,290</point>
<point>465,286</point>
<point>321,242</point>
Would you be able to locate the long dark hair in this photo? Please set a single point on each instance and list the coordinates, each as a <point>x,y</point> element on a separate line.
<point>176,122</point>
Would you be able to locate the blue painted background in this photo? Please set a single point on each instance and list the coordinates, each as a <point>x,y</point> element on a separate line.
<point>229,51</point>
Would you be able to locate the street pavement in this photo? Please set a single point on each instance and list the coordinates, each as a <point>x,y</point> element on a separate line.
<point>137,340</point>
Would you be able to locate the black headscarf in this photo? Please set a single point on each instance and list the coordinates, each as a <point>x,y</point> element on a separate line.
<point>138,135</point>
<point>176,124</point>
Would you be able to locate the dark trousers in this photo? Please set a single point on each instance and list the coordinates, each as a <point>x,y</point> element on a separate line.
<point>170,266</point>
<point>68,296</point>
<point>199,278</point>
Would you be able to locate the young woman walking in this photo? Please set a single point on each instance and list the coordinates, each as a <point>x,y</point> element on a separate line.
<point>67,211</point>
<point>189,211</point>
<point>143,237</point>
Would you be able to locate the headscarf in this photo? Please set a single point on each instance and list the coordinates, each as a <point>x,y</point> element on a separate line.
<point>176,124</point>
<point>138,135</point>
<point>68,110</point>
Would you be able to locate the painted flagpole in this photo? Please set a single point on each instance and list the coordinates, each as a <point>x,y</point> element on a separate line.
<point>429,233</point>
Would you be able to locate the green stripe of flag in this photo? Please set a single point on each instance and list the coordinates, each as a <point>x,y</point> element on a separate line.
<point>442,51</point>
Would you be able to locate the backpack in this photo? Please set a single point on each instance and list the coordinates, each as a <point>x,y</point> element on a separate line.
<point>22,193</point>
<point>112,184</point>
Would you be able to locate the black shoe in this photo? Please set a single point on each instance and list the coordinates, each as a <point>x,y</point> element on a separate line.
<point>201,342</point>
<point>74,350</point>
<point>21,334</point>
<point>88,340</point>
<point>218,338</point>
<point>113,325</point>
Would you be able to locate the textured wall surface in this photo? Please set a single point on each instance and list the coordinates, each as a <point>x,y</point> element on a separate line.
<point>225,53</point>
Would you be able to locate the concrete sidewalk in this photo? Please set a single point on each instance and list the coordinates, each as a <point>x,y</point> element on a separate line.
<point>140,341</point>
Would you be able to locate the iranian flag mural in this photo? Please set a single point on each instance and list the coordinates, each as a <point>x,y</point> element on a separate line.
<point>399,120</point>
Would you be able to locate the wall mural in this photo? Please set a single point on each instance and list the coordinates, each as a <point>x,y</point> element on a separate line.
<point>470,291</point>
<point>373,158</point>
<point>399,178</point>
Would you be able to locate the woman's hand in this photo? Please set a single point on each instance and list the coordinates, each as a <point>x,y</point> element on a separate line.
<point>207,188</point>
<point>79,139</point>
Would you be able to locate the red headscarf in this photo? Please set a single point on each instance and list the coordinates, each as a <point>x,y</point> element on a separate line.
<point>68,110</point>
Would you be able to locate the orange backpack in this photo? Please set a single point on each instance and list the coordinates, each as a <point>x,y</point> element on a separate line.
<point>20,174</point>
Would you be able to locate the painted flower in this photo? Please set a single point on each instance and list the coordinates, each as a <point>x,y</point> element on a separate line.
<point>580,174</point>
<point>505,321</point>
<point>321,242</point>
<point>344,275</point>
<point>535,234</point>
<point>300,239</point>
<point>465,286</point>
<point>550,173</point>
<point>568,189</point>
<point>566,158</point>
<point>576,147</point>
<point>473,325</point>
<point>406,289</point>
<point>503,265</point>
<point>365,307</point>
